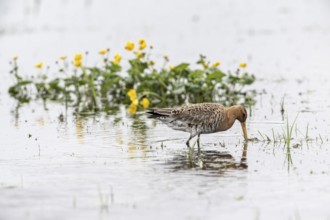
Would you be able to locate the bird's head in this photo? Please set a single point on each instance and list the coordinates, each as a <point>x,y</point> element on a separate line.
<point>241,115</point>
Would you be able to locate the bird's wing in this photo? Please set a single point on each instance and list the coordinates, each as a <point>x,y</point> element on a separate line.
<point>198,114</point>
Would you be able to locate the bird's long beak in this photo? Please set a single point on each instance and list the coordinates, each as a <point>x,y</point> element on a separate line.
<point>244,131</point>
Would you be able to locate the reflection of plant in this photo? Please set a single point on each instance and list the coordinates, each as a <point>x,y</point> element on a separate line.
<point>95,88</point>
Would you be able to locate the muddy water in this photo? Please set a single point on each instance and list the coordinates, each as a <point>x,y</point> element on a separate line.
<point>123,167</point>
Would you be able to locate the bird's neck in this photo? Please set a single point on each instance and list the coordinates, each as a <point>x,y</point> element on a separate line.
<point>231,114</point>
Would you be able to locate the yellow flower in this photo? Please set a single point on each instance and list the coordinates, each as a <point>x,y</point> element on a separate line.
<point>242,65</point>
<point>129,45</point>
<point>145,102</point>
<point>135,102</point>
<point>132,108</point>
<point>103,51</point>
<point>117,58</point>
<point>141,41</point>
<point>170,67</point>
<point>77,63</point>
<point>139,55</point>
<point>62,57</point>
<point>78,57</point>
<point>132,94</point>
<point>39,65</point>
<point>14,58</point>
<point>143,44</point>
<point>216,64</point>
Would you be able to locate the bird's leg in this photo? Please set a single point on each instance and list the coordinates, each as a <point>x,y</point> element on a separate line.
<point>198,141</point>
<point>192,134</point>
<point>187,143</point>
<point>244,153</point>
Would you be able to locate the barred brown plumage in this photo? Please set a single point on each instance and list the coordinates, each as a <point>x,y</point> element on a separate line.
<point>202,118</point>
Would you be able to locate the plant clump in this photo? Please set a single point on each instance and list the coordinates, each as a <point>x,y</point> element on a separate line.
<point>138,84</point>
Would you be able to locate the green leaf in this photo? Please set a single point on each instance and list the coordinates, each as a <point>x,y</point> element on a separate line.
<point>24,82</point>
<point>137,67</point>
<point>216,75</point>
<point>114,67</point>
<point>196,75</point>
<point>247,79</point>
<point>180,67</point>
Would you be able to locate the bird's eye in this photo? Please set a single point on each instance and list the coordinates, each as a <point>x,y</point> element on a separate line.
<point>244,115</point>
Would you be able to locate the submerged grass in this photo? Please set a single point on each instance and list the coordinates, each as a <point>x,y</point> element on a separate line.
<point>306,134</point>
<point>286,135</point>
<point>321,138</point>
<point>291,139</point>
<point>288,138</point>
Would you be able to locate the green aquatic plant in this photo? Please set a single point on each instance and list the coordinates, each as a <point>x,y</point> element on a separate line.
<point>264,137</point>
<point>283,137</point>
<point>287,134</point>
<point>139,83</point>
<point>274,137</point>
<point>321,138</point>
<point>306,135</point>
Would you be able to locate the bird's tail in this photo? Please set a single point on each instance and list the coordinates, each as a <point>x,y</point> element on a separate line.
<point>159,113</point>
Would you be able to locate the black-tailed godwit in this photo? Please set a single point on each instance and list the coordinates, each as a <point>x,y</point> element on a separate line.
<point>203,118</point>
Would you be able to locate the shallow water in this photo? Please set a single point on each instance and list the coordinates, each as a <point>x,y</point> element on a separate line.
<point>129,167</point>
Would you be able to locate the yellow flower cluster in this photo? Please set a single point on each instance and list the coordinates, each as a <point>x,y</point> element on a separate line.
<point>143,44</point>
<point>216,64</point>
<point>39,65</point>
<point>243,65</point>
<point>134,101</point>
<point>132,108</point>
<point>117,58</point>
<point>129,45</point>
<point>145,103</point>
<point>77,61</point>
<point>132,94</point>
<point>103,52</point>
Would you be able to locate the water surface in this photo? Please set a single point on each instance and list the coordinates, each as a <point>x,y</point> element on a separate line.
<point>129,167</point>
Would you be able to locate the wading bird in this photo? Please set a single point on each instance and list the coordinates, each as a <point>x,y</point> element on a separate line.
<point>203,118</point>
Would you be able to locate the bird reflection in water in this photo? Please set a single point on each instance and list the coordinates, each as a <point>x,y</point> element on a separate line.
<point>211,160</point>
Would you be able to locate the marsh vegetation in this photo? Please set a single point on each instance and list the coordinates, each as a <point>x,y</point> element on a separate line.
<point>137,83</point>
